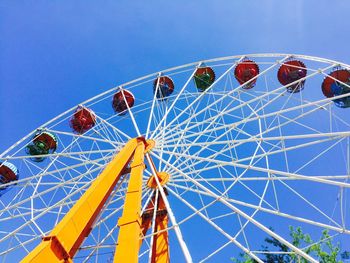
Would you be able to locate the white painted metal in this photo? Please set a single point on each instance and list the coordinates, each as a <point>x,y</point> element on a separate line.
<point>213,144</point>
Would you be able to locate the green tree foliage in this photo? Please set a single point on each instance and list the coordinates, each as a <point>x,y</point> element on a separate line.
<point>325,251</point>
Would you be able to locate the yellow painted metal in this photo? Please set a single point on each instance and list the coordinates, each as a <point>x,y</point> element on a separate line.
<point>163,178</point>
<point>65,239</point>
<point>130,223</point>
<point>150,144</point>
<point>160,249</point>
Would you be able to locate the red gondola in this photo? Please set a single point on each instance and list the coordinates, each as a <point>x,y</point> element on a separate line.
<point>121,100</point>
<point>8,173</point>
<point>291,71</point>
<point>331,87</point>
<point>83,120</point>
<point>245,71</point>
<point>165,87</point>
<point>204,77</point>
<point>43,143</point>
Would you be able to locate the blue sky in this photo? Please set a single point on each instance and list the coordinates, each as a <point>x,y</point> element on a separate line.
<point>55,54</point>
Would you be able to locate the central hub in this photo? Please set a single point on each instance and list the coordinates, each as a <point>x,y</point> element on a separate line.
<point>163,178</point>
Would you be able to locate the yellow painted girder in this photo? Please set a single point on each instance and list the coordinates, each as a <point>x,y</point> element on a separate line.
<point>65,239</point>
<point>160,249</point>
<point>127,249</point>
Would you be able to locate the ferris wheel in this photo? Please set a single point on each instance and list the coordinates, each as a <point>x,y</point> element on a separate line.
<point>196,163</point>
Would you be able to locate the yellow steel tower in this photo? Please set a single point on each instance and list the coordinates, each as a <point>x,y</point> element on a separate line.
<point>68,235</point>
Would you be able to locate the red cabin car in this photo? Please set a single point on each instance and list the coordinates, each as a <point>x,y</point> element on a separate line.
<point>8,173</point>
<point>122,100</point>
<point>331,87</point>
<point>292,71</point>
<point>245,71</point>
<point>165,87</point>
<point>83,120</point>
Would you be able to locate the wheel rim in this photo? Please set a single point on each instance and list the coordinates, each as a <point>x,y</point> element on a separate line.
<point>240,161</point>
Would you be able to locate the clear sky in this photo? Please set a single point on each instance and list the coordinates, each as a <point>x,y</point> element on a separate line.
<point>55,54</point>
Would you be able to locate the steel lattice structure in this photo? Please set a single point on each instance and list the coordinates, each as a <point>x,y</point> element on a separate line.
<point>239,154</point>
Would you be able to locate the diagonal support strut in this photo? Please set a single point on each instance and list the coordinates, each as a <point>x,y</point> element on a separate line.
<point>67,236</point>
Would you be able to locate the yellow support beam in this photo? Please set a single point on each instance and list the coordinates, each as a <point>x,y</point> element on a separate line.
<point>66,238</point>
<point>160,249</point>
<point>127,249</point>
